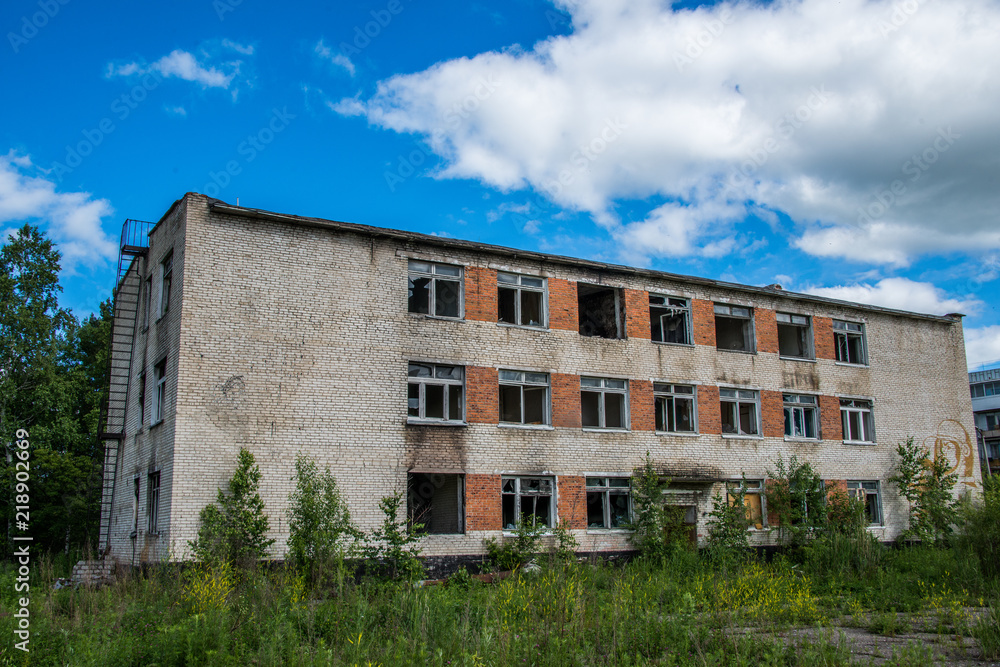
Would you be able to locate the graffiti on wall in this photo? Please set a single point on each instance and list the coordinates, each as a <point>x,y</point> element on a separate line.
<point>952,442</point>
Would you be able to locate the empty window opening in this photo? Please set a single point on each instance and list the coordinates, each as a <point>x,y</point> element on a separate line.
<point>739,411</point>
<point>856,416</point>
<point>159,392</point>
<point>521,300</point>
<point>603,402</point>
<point>524,397</point>
<point>608,502</point>
<point>753,499</point>
<point>437,501</point>
<point>600,311</point>
<point>435,289</point>
<point>795,337</point>
<point>850,342</point>
<point>801,416</point>
<point>734,328</point>
<point>136,484</point>
<point>166,277</point>
<point>434,392</point>
<point>153,503</point>
<point>868,493</point>
<point>675,407</point>
<point>669,319</point>
<point>529,498</point>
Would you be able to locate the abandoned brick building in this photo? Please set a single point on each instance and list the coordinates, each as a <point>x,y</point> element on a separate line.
<point>490,383</point>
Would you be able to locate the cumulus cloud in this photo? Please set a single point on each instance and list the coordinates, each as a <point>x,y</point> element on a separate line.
<point>903,294</point>
<point>982,345</point>
<point>72,219</point>
<point>338,59</point>
<point>872,126</point>
<point>187,66</point>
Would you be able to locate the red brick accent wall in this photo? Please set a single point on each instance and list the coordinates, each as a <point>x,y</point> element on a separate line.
<point>637,313</point>
<point>480,294</point>
<point>772,412</point>
<point>482,502</point>
<point>709,414</point>
<point>573,501</point>
<point>823,336</point>
<point>641,405</point>
<point>563,305</point>
<point>830,425</point>
<point>766,326</point>
<point>566,400</point>
<point>703,314</point>
<point>482,395</point>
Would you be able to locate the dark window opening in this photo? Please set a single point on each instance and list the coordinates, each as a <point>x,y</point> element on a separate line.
<point>600,311</point>
<point>733,328</point>
<point>435,289</point>
<point>608,502</point>
<point>669,320</point>
<point>521,300</point>
<point>675,407</point>
<point>526,497</point>
<point>794,336</point>
<point>437,501</point>
<point>850,342</point>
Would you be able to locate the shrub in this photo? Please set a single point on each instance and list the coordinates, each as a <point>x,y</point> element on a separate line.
<point>729,522</point>
<point>981,528</point>
<point>392,546</point>
<point>657,528</point>
<point>234,528</point>
<point>846,546</point>
<point>321,535</point>
<point>796,499</point>
<point>510,553</point>
<point>927,486</point>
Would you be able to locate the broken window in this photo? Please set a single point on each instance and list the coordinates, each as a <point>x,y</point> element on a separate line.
<point>753,498</point>
<point>521,300</point>
<point>608,502</point>
<point>437,501</point>
<point>435,289</point>
<point>152,502</point>
<point>603,402</point>
<point>601,311</point>
<point>529,497</point>
<point>160,391</point>
<point>524,397</point>
<point>801,416</point>
<point>856,415</point>
<point>670,319</point>
<point>435,392</point>
<point>734,328</point>
<point>166,276</point>
<point>850,342</point>
<point>795,337</point>
<point>675,406</point>
<point>868,493</point>
<point>739,411</point>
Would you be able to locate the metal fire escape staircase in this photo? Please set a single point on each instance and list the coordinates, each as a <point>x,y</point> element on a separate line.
<point>125,309</point>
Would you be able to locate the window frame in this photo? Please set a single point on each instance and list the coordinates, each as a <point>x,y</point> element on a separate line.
<point>147,301</point>
<point>422,382</point>
<point>604,491</point>
<point>524,383</point>
<point>142,399</point>
<point>660,394</point>
<point>810,338</point>
<point>603,390</point>
<point>136,491</point>
<point>166,284</point>
<point>415,498</point>
<point>685,311</point>
<point>432,290</point>
<point>518,288</point>
<point>867,423</point>
<point>725,310</point>
<point>845,332</point>
<point>792,402</point>
<point>159,406</point>
<point>861,489</point>
<point>152,502</point>
<point>759,490</point>
<point>518,493</point>
<point>739,400</point>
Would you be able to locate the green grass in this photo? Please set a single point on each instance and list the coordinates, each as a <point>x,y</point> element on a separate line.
<point>676,613</point>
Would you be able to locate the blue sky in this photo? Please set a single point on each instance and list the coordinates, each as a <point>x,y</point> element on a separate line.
<point>846,149</point>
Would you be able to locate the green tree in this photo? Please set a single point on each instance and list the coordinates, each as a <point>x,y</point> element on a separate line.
<point>924,481</point>
<point>234,528</point>
<point>728,525</point>
<point>657,528</point>
<point>796,501</point>
<point>392,546</point>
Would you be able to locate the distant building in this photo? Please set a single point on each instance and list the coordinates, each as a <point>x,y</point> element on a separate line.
<point>985,388</point>
<point>489,383</point>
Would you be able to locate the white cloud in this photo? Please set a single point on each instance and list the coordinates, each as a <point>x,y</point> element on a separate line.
<point>338,59</point>
<point>982,345</point>
<point>902,294</point>
<point>71,219</point>
<point>188,66</point>
<point>177,111</point>
<point>874,132</point>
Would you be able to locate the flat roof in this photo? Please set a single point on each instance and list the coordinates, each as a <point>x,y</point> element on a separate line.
<point>459,244</point>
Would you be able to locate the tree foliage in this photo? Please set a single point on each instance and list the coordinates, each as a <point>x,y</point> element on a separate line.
<point>657,528</point>
<point>728,525</point>
<point>796,501</point>
<point>924,481</point>
<point>392,546</point>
